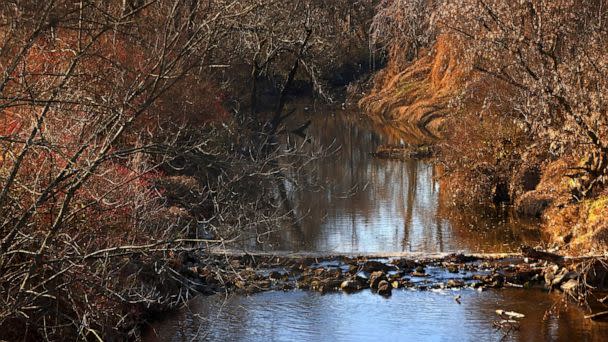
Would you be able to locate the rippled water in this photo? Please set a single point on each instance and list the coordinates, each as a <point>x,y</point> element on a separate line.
<point>359,204</point>
<point>406,316</point>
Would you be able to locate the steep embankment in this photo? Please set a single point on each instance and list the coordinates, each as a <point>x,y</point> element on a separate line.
<point>419,93</point>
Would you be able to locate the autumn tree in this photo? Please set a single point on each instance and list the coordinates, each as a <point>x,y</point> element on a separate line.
<point>82,147</point>
<point>119,153</point>
<point>551,56</point>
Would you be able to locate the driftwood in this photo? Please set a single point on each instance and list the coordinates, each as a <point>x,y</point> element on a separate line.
<point>404,152</point>
<point>541,255</point>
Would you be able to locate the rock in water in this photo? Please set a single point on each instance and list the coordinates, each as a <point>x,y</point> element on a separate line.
<point>510,314</point>
<point>375,278</point>
<point>349,286</point>
<point>453,269</point>
<point>455,283</point>
<point>373,266</point>
<point>384,288</point>
<point>419,272</point>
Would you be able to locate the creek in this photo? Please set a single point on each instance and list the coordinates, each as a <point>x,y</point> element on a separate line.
<point>353,203</point>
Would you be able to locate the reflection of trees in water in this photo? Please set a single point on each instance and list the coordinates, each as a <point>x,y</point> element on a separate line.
<point>278,315</point>
<point>490,229</point>
<point>344,176</point>
<point>352,200</point>
<point>305,316</point>
<point>357,190</point>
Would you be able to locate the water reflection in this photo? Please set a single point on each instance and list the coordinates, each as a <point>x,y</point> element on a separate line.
<point>396,207</point>
<point>356,203</point>
<point>406,316</point>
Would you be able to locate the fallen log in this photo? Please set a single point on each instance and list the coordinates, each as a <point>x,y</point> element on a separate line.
<point>409,255</point>
<point>530,252</point>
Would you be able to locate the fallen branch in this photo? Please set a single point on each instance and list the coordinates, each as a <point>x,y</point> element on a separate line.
<point>530,252</point>
<point>596,316</point>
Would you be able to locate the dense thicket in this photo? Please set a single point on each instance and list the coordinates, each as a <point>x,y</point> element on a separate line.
<point>122,144</point>
<point>517,90</point>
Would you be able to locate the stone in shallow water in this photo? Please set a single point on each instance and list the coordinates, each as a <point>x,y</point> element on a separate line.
<point>373,266</point>
<point>384,288</point>
<point>375,278</point>
<point>453,269</point>
<point>455,283</point>
<point>349,286</point>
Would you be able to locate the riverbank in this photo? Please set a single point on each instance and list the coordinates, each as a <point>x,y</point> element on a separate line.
<point>508,133</point>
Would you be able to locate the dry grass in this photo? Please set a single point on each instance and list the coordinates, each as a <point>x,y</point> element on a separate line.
<point>420,93</point>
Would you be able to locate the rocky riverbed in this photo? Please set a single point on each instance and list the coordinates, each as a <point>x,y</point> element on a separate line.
<point>248,274</point>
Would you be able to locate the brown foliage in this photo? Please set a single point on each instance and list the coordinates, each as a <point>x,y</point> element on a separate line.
<point>420,93</point>
<point>525,91</point>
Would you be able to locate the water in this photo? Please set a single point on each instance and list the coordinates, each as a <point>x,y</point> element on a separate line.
<point>359,204</point>
<point>356,203</point>
<point>406,316</point>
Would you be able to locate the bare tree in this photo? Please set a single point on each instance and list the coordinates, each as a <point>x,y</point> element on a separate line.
<point>118,155</point>
<point>79,80</point>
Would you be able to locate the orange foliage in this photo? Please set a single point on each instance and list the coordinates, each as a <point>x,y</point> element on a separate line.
<point>418,94</point>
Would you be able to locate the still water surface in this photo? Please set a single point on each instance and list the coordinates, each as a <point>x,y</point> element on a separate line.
<point>359,204</point>
<point>356,203</point>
